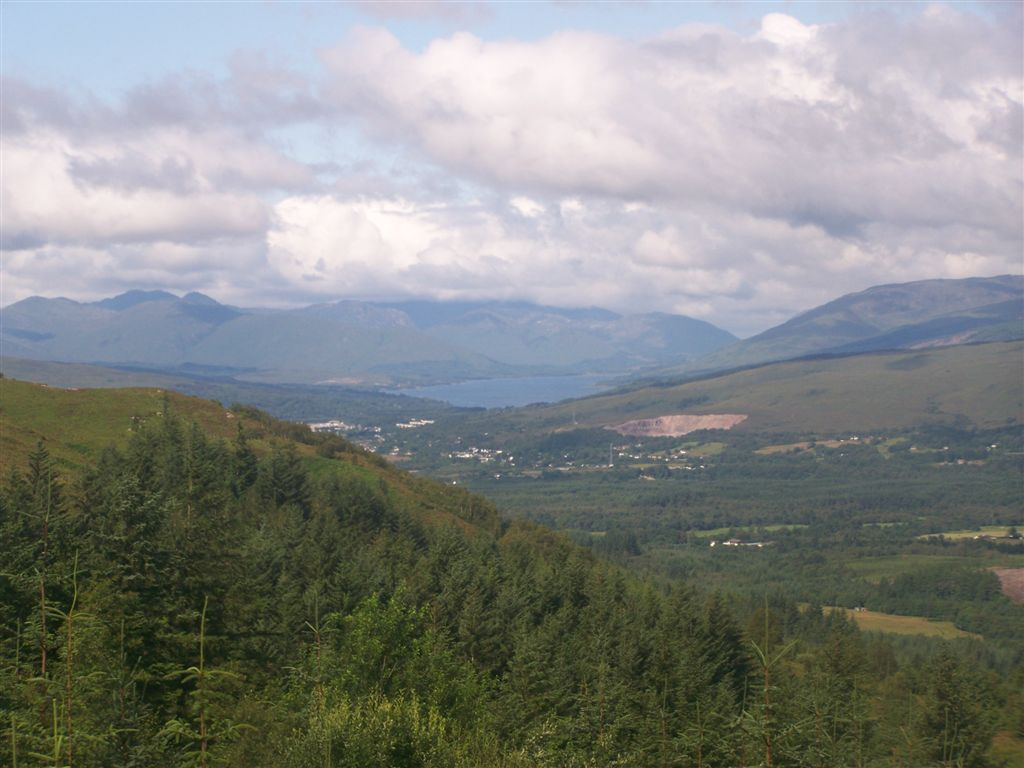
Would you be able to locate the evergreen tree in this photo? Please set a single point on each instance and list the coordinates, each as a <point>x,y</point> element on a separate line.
<point>245,464</point>
<point>956,726</point>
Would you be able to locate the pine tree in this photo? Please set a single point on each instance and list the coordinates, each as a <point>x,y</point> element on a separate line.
<point>956,725</point>
<point>245,465</point>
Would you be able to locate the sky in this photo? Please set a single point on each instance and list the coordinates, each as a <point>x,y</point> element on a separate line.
<point>736,162</point>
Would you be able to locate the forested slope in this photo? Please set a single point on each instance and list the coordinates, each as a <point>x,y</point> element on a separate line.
<point>186,599</point>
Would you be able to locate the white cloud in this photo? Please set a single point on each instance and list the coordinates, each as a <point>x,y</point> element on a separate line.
<point>377,248</point>
<point>233,270</point>
<point>739,177</point>
<point>524,113</point>
<point>527,207</point>
<point>160,184</point>
<point>791,122</point>
<point>785,31</point>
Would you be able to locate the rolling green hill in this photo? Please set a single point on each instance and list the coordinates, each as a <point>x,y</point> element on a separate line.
<point>76,425</point>
<point>976,384</point>
<point>927,313</point>
<point>301,402</point>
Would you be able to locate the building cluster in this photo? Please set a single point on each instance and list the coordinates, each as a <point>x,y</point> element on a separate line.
<point>414,423</point>
<point>483,455</point>
<point>335,426</point>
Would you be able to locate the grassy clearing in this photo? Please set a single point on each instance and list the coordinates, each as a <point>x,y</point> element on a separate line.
<point>806,445</point>
<point>967,533</point>
<point>874,569</point>
<point>886,446</point>
<point>321,468</point>
<point>872,621</point>
<point>774,528</point>
<point>771,450</point>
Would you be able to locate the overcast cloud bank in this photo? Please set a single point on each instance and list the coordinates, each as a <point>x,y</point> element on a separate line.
<point>736,178</point>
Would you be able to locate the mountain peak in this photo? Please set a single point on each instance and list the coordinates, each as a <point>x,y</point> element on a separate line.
<point>194,297</point>
<point>129,299</point>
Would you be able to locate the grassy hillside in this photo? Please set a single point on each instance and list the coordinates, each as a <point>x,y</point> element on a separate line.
<point>901,316</point>
<point>76,425</point>
<point>967,385</point>
<point>299,402</point>
<point>874,621</point>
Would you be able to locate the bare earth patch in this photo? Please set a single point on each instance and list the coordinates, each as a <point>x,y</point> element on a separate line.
<point>678,425</point>
<point>1012,580</point>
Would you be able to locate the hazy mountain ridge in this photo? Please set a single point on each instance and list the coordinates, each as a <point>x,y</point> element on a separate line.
<point>422,342</point>
<point>351,341</point>
<point>554,337</point>
<point>898,316</point>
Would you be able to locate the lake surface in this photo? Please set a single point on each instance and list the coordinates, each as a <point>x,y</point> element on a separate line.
<point>501,393</point>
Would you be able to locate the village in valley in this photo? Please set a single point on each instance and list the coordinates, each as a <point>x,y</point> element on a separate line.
<point>409,442</point>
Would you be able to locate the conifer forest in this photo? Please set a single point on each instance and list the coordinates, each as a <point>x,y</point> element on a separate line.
<point>280,598</point>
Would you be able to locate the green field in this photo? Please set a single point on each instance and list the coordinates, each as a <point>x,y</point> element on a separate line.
<point>970,533</point>
<point>874,569</point>
<point>873,621</point>
<point>773,528</point>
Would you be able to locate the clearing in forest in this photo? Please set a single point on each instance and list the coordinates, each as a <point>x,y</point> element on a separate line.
<point>981,532</point>
<point>873,621</point>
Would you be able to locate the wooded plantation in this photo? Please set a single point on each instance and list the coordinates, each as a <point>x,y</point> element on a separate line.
<point>193,601</point>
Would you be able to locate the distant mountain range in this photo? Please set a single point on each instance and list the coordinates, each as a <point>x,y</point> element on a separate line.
<point>350,342</point>
<point>422,342</point>
<point>918,315</point>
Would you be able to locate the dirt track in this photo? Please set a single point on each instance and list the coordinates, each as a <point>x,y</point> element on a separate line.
<point>678,425</point>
